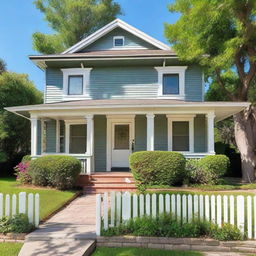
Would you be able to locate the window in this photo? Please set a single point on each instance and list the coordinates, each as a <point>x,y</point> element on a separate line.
<point>180,136</point>
<point>170,84</point>
<point>77,139</point>
<point>75,85</point>
<point>118,41</point>
<point>122,136</point>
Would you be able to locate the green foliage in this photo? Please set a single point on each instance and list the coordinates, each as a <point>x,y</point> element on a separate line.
<point>2,66</point>
<point>17,224</point>
<point>26,158</point>
<point>207,170</point>
<point>60,172</point>
<point>168,226</point>
<point>157,167</point>
<point>22,173</point>
<point>72,21</point>
<point>15,90</point>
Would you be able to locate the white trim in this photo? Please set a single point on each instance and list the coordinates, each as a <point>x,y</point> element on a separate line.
<point>111,26</point>
<point>34,126</point>
<point>90,143</point>
<point>118,37</point>
<point>180,70</point>
<point>210,132</point>
<point>188,118</point>
<point>150,132</point>
<point>85,72</point>
<point>111,119</point>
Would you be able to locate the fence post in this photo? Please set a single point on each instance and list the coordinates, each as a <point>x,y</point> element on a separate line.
<point>1,206</point>
<point>161,204</point>
<point>232,210</point>
<point>105,211</point>
<point>201,205</point>
<point>113,207</point>
<point>135,206</point>
<point>207,208</point>
<point>118,208</point>
<point>147,204</point>
<point>190,208</point>
<point>184,208</point>
<point>30,207</point>
<point>129,206</point>
<point>14,204</point>
<point>249,217</point>
<point>178,205</point>
<point>196,215</point>
<point>7,205</point>
<point>167,203</point>
<point>98,214</point>
<point>219,211</point>
<point>154,205</point>
<point>240,213</point>
<point>22,202</point>
<point>141,205</point>
<point>37,209</point>
<point>173,202</point>
<point>213,209</point>
<point>225,209</point>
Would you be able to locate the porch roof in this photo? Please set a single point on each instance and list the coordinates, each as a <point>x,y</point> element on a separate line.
<point>222,110</point>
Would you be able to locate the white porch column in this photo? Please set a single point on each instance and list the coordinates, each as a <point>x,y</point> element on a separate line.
<point>34,136</point>
<point>150,132</point>
<point>67,131</point>
<point>210,133</point>
<point>89,143</point>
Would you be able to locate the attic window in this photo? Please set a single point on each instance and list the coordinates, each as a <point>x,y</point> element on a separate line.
<point>118,41</point>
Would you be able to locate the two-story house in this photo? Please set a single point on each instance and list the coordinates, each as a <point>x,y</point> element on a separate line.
<point>118,91</point>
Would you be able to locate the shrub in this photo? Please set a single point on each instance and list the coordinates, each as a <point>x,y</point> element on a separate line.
<point>26,158</point>
<point>60,172</point>
<point>17,224</point>
<point>157,167</point>
<point>22,173</point>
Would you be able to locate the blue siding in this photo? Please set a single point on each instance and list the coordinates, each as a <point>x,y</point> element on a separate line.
<point>161,133</point>
<point>100,140</point>
<point>106,42</point>
<point>50,136</point>
<point>200,132</point>
<point>140,133</point>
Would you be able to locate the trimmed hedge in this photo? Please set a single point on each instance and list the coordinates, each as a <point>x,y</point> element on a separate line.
<point>157,167</point>
<point>56,171</point>
<point>207,170</point>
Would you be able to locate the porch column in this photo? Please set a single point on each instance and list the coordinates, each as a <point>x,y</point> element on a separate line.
<point>34,136</point>
<point>210,133</point>
<point>89,143</point>
<point>150,132</point>
<point>67,131</point>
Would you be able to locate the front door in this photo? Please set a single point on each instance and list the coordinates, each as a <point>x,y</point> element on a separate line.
<point>121,144</point>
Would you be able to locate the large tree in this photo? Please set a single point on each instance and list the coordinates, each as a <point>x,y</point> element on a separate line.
<point>72,20</point>
<point>15,90</point>
<point>2,66</point>
<point>221,36</point>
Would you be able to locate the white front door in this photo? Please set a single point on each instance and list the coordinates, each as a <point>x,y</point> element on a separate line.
<point>121,144</point>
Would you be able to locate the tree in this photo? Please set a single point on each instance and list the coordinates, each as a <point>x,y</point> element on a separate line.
<point>15,90</point>
<point>2,66</point>
<point>221,36</point>
<point>72,20</point>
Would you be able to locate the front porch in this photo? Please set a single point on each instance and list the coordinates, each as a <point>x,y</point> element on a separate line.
<point>103,142</point>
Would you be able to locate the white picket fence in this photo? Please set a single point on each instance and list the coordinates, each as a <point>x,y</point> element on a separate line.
<point>119,207</point>
<point>11,205</point>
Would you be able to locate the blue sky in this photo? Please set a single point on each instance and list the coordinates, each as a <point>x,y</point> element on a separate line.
<point>20,19</point>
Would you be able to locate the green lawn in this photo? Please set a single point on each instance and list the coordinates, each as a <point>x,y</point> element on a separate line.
<point>103,251</point>
<point>50,199</point>
<point>10,249</point>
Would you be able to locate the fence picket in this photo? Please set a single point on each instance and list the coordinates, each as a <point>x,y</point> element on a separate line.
<point>201,207</point>
<point>219,211</point>
<point>147,204</point>
<point>1,206</point>
<point>105,210</point>
<point>161,204</point>
<point>7,205</point>
<point>207,208</point>
<point>195,214</point>
<point>225,209</point>
<point>167,203</point>
<point>98,214</point>
<point>30,207</point>
<point>14,204</point>
<point>213,217</point>
<point>113,207</point>
<point>254,207</point>
<point>240,213</point>
<point>178,206</point>
<point>37,209</point>
<point>173,203</point>
<point>135,206</point>
<point>249,217</point>
<point>154,205</point>
<point>190,208</point>
<point>232,210</point>
<point>129,205</point>
<point>141,205</point>
<point>22,202</point>
<point>184,208</point>
<point>118,208</point>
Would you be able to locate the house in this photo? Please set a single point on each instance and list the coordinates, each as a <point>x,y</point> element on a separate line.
<point>118,91</point>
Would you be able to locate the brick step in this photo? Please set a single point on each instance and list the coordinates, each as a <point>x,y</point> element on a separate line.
<point>110,186</point>
<point>123,179</point>
<point>110,182</point>
<point>103,190</point>
<point>111,175</point>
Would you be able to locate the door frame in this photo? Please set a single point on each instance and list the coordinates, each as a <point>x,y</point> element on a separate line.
<point>115,119</point>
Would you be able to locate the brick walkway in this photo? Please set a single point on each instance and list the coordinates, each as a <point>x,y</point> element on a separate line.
<point>71,230</point>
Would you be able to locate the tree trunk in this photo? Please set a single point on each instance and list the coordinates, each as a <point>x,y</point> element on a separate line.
<point>245,135</point>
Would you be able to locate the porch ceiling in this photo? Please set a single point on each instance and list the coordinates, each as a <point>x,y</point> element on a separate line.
<point>77,109</point>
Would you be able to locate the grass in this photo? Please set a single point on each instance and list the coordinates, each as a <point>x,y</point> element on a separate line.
<point>50,199</point>
<point>104,251</point>
<point>10,249</point>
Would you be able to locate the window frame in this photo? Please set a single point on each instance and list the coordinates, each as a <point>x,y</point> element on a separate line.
<point>85,73</point>
<point>118,37</point>
<point>69,76</point>
<point>180,70</point>
<point>181,118</point>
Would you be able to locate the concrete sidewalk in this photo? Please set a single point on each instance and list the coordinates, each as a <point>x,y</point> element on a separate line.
<point>69,232</point>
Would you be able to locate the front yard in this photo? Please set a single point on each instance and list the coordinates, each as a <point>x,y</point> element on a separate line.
<point>50,199</point>
<point>10,249</point>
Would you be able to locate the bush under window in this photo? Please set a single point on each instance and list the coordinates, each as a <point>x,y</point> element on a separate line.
<point>60,172</point>
<point>157,167</point>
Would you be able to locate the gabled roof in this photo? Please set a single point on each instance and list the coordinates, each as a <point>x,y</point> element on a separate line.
<point>109,27</point>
